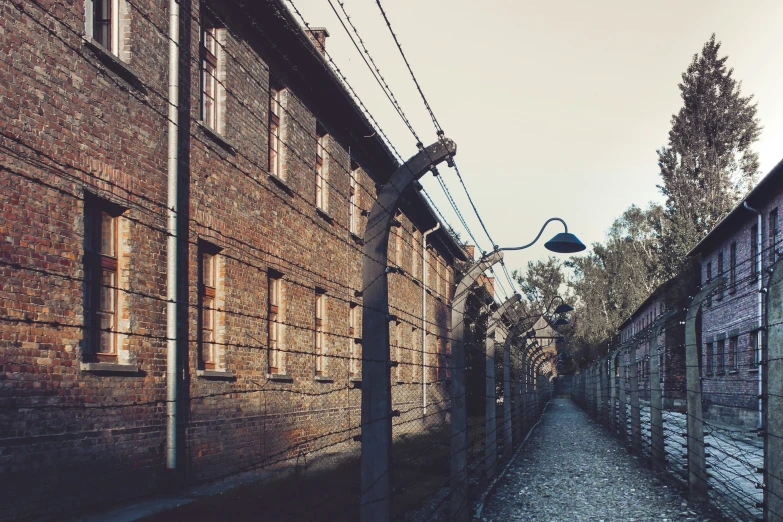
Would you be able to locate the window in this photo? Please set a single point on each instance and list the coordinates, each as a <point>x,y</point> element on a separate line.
<point>732,354</point>
<point>721,356</point>
<point>709,278</point>
<point>210,102</point>
<point>320,334</point>
<point>754,349</point>
<point>353,204</point>
<point>103,23</point>
<point>353,330</point>
<point>321,173</point>
<point>102,299</point>
<point>275,132</point>
<point>208,307</point>
<point>773,235</point>
<point>732,267</point>
<point>754,251</point>
<point>398,245</point>
<point>275,321</point>
<point>720,274</point>
<point>708,362</point>
<point>398,350</point>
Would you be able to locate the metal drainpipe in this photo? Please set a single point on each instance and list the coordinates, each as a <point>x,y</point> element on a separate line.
<point>171,242</point>
<point>760,299</point>
<point>424,316</point>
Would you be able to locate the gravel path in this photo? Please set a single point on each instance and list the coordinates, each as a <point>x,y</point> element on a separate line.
<point>572,469</point>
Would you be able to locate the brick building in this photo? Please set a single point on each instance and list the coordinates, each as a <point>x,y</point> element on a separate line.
<point>742,248</point>
<point>662,306</point>
<point>278,167</point>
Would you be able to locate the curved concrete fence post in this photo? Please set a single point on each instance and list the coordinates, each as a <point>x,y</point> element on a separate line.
<point>459,508</point>
<point>495,332</point>
<point>697,470</point>
<point>376,433</point>
<point>772,392</point>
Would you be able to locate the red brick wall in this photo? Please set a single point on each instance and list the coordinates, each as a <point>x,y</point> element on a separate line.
<point>74,438</point>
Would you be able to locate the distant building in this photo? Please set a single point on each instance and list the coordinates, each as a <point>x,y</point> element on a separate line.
<point>742,248</point>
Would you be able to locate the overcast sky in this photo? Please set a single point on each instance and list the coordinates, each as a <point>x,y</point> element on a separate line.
<point>557,108</point>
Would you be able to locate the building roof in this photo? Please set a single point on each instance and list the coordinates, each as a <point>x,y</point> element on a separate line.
<point>766,189</point>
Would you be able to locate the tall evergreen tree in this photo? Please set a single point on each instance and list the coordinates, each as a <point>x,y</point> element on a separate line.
<point>708,164</point>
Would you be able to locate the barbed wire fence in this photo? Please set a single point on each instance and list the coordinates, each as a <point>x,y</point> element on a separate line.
<point>693,393</point>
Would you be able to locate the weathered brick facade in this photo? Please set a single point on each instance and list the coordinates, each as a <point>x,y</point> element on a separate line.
<point>663,306</point>
<point>79,125</point>
<point>733,319</point>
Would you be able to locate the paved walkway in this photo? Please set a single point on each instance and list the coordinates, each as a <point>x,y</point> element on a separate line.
<point>573,469</point>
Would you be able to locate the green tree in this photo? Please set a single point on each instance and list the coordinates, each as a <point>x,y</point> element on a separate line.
<point>708,164</point>
<point>540,284</point>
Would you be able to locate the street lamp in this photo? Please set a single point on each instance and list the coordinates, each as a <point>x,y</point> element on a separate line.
<point>562,243</point>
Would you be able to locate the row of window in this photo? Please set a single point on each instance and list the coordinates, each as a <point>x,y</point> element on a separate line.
<point>103,308</point>
<point>642,322</point>
<point>104,25</point>
<point>755,258</point>
<point>722,356</point>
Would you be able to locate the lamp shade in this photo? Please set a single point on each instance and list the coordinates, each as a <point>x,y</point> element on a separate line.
<point>563,308</point>
<point>565,243</point>
<point>560,322</point>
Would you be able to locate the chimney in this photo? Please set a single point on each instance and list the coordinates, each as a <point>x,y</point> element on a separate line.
<point>319,35</point>
<point>471,251</point>
<point>490,284</point>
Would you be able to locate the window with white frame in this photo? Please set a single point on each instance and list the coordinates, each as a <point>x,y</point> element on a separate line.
<point>321,173</point>
<point>106,22</point>
<point>208,306</point>
<point>212,75</point>
<point>275,315</point>
<point>398,351</point>
<point>353,203</point>
<point>353,331</point>
<point>103,300</point>
<point>415,255</point>
<point>320,334</point>
<point>276,94</point>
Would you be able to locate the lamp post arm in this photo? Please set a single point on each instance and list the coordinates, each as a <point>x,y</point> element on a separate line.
<point>538,236</point>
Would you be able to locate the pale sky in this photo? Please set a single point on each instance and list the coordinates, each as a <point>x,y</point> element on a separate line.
<point>557,108</point>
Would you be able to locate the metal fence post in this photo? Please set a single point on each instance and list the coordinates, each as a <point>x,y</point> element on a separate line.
<point>494,331</point>
<point>636,412</point>
<point>657,449</point>
<point>772,393</point>
<point>697,465</point>
<point>459,506</point>
<point>376,434</point>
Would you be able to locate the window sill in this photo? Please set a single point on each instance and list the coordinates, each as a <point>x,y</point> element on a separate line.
<point>323,378</point>
<point>281,377</point>
<point>216,374</point>
<point>732,372</point>
<point>354,379</point>
<point>416,281</point>
<point>216,137</point>
<point>399,381</point>
<point>356,238</point>
<point>720,373</point>
<point>324,215</point>
<point>116,65</point>
<point>753,370</point>
<point>282,184</point>
<point>104,367</point>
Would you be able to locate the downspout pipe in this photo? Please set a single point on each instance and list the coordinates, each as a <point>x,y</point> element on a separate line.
<point>424,316</point>
<point>172,205</point>
<point>760,423</point>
